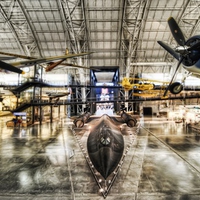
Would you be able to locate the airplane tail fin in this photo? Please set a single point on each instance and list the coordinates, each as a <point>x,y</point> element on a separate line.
<point>66,51</point>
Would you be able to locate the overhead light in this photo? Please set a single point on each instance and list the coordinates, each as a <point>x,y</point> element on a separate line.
<point>152,63</point>
<point>26,69</point>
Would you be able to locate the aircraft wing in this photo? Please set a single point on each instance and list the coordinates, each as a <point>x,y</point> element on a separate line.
<point>56,95</point>
<point>46,60</point>
<point>17,55</point>
<point>14,66</point>
<point>73,65</point>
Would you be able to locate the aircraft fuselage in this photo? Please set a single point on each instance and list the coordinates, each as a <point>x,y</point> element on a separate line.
<point>105,145</point>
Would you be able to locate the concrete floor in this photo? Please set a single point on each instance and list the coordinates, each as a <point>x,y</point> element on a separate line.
<point>46,162</point>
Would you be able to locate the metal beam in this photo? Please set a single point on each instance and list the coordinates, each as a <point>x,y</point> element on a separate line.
<point>28,21</point>
<point>10,25</point>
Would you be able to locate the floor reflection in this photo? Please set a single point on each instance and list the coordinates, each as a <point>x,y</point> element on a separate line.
<point>169,165</point>
<point>28,158</point>
<point>45,161</point>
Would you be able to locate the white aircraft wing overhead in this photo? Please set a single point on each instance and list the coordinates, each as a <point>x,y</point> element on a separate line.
<point>46,60</point>
<point>14,67</point>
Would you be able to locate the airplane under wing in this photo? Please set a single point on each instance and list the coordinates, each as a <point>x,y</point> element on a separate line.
<point>14,67</point>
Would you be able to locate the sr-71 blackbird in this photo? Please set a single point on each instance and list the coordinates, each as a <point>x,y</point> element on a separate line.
<point>105,143</point>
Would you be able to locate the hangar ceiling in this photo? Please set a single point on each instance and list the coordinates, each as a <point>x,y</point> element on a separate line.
<point>120,33</point>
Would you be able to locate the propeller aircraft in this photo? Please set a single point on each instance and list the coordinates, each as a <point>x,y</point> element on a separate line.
<point>187,53</point>
<point>14,67</point>
<point>145,87</point>
<point>128,84</point>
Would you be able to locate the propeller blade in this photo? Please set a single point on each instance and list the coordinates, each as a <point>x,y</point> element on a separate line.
<point>195,46</point>
<point>11,68</point>
<point>172,79</point>
<point>176,31</point>
<point>169,49</point>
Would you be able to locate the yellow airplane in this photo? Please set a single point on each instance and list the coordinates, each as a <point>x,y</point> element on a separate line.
<point>14,67</point>
<point>145,87</point>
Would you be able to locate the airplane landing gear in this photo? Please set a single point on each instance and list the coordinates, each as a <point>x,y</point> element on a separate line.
<point>176,88</point>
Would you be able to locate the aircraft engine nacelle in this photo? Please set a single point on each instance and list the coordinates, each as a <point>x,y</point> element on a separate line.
<point>191,56</point>
<point>128,119</point>
<point>191,61</point>
<point>80,121</point>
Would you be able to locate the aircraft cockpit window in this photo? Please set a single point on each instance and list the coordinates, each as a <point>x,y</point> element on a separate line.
<point>105,141</point>
<point>105,136</point>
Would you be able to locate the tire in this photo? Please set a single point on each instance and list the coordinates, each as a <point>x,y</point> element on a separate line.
<point>176,88</point>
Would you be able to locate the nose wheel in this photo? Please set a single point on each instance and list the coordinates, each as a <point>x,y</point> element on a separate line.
<point>176,88</point>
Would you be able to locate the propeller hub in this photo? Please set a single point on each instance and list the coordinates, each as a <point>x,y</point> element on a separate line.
<point>183,50</point>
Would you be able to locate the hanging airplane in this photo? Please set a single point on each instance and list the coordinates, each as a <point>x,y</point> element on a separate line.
<point>187,53</point>
<point>144,87</point>
<point>14,67</point>
<point>128,84</point>
<point>53,97</point>
<point>57,95</point>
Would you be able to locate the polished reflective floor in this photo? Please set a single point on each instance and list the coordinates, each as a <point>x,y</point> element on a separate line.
<point>46,162</point>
